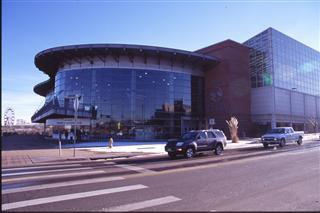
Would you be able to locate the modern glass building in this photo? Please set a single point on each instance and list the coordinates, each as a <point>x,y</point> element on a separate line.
<point>144,92</point>
<point>285,81</point>
<point>129,91</point>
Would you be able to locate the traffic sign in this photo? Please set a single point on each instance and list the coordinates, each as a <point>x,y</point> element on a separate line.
<point>76,103</point>
<point>212,121</point>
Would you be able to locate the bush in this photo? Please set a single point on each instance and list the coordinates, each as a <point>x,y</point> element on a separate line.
<point>233,128</point>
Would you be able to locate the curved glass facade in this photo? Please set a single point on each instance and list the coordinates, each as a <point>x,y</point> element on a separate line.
<point>135,103</point>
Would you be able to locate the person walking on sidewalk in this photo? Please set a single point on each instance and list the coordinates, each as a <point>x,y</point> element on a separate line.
<point>66,135</point>
<point>71,136</point>
<point>110,142</point>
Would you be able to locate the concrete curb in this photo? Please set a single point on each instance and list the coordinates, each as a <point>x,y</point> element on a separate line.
<point>100,153</point>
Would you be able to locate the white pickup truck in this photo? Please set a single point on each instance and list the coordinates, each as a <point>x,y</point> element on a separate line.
<point>281,135</point>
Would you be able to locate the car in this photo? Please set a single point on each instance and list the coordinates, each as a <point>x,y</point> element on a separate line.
<point>197,141</point>
<point>281,136</point>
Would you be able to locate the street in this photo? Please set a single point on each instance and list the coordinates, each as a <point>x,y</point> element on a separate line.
<point>251,179</point>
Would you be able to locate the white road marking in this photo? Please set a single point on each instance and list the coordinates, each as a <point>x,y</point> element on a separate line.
<point>43,171</point>
<point>54,185</point>
<point>143,204</point>
<point>53,175</point>
<point>48,171</point>
<point>58,198</point>
<point>302,151</point>
<point>135,168</point>
<point>39,167</point>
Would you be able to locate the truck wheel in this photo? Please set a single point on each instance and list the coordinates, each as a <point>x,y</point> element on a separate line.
<point>299,140</point>
<point>265,145</point>
<point>172,154</point>
<point>189,153</point>
<point>218,150</point>
<point>282,143</point>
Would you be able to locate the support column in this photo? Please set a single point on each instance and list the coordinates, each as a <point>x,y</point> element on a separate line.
<point>273,116</point>
<point>304,112</point>
<point>273,121</point>
<point>317,115</point>
<point>44,128</point>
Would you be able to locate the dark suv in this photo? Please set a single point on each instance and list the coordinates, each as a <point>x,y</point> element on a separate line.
<point>197,141</point>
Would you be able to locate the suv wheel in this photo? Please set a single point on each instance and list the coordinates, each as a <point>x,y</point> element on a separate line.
<point>172,154</point>
<point>218,150</point>
<point>282,143</point>
<point>265,145</point>
<point>189,153</point>
<point>299,141</point>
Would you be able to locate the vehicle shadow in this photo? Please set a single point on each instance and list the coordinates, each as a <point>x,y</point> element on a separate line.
<point>27,142</point>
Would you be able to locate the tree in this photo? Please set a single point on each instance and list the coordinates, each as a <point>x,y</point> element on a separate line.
<point>233,128</point>
<point>314,123</point>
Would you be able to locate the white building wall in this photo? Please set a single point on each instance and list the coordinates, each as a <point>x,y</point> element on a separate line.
<point>124,61</point>
<point>74,65</point>
<point>261,100</point>
<point>282,99</point>
<point>310,102</point>
<point>318,107</point>
<point>177,65</point>
<point>98,62</point>
<point>85,63</point>
<point>138,62</point>
<point>303,106</point>
<point>297,104</point>
<point>111,62</point>
<point>150,62</point>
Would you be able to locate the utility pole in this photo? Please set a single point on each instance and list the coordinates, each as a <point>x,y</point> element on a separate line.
<point>76,106</point>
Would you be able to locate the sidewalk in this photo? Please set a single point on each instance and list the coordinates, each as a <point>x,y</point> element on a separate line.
<point>99,150</point>
<point>158,147</point>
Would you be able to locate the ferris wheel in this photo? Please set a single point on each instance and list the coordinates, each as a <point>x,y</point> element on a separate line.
<point>9,117</point>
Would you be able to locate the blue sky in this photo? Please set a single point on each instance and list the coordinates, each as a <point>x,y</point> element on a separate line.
<point>29,27</point>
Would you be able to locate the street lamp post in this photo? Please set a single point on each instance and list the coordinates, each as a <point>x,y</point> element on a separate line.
<point>75,106</point>
<point>291,105</point>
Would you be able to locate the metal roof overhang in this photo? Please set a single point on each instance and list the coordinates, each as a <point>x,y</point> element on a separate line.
<point>49,60</point>
<point>43,87</point>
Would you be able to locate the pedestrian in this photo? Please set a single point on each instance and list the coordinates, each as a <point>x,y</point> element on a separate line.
<point>78,135</point>
<point>66,135</point>
<point>60,136</point>
<point>110,142</point>
<point>71,136</point>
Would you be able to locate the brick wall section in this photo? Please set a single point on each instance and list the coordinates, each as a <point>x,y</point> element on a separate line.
<point>227,86</point>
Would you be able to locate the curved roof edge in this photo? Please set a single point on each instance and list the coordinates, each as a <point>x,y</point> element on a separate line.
<point>43,87</point>
<point>48,60</point>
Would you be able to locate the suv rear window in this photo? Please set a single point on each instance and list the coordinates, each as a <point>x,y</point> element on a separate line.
<point>211,135</point>
<point>220,134</point>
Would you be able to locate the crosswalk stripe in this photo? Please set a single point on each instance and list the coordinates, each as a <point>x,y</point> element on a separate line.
<point>43,171</point>
<point>54,185</point>
<point>58,198</point>
<point>39,167</point>
<point>50,166</point>
<point>143,204</point>
<point>135,168</point>
<point>56,170</point>
<point>53,175</point>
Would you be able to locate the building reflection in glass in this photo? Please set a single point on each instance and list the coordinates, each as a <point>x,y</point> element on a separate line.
<point>134,103</point>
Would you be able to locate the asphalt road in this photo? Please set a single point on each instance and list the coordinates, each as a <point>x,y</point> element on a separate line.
<point>240,180</point>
